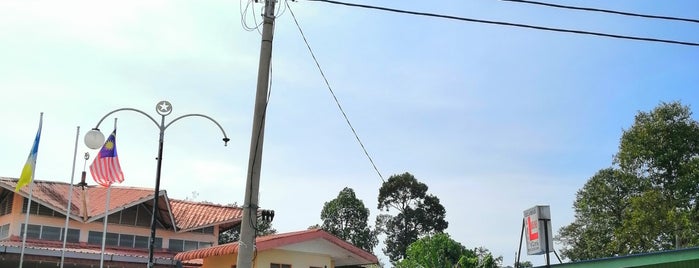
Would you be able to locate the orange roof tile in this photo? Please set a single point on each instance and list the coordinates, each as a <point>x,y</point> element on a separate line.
<point>187,215</point>
<point>275,241</point>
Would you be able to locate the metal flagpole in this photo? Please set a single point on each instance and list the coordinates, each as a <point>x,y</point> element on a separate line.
<point>104,231</point>
<point>29,204</point>
<point>70,199</point>
<point>26,222</point>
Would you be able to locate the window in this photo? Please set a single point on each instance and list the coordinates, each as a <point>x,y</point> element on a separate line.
<point>133,216</point>
<point>143,216</point>
<point>33,231</point>
<point>128,216</point>
<point>39,209</point>
<point>205,230</point>
<point>114,218</point>
<point>126,240</point>
<point>178,245</point>
<point>123,240</point>
<point>94,237</point>
<point>158,242</point>
<point>73,235</point>
<point>276,265</point>
<point>141,241</point>
<point>4,231</point>
<point>112,239</point>
<point>48,233</point>
<point>190,245</point>
<point>6,202</point>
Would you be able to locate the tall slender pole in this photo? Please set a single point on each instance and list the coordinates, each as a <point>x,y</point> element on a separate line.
<point>247,230</point>
<point>70,198</point>
<point>519,250</point>
<point>31,189</point>
<point>26,223</point>
<point>104,228</point>
<point>151,241</point>
<point>546,236</point>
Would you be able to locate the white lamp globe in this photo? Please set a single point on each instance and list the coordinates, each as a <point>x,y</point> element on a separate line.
<point>94,139</point>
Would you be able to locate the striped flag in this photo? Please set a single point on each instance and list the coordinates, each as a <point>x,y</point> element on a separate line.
<point>105,169</point>
<point>27,175</point>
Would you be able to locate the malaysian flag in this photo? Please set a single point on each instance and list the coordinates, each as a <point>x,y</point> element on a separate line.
<point>105,168</point>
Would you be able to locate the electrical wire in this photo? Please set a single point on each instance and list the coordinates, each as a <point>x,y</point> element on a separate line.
<point>332,92</point>
<point>605,11</point>
<point>282,10</point>
<point>254,18</point>
<point>635,38</point>
<point>244,18</point>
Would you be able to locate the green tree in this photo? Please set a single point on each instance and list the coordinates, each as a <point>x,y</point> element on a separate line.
<point>418,214</point>
<point>233,234</point>
<point>524,264</point>
<point>650,201</point>
<point>438,250</point>
<point>600,208</point>
<point>662,148</point>
<point>486,259</point>
<point>346,217</point>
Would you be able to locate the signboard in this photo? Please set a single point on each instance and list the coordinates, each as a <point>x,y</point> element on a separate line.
<point>534,232</point>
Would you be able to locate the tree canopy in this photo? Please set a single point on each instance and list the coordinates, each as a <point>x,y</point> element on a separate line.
<point>418,214</point>
<point>346,217</point>
<point>440,250</point>
<point>648,201</point>
<point>233,234</point>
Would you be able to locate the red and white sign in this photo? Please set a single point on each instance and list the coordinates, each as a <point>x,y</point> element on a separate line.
<point>534,220</point>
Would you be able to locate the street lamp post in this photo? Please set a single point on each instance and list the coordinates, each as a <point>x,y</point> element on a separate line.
<point>94,139</point>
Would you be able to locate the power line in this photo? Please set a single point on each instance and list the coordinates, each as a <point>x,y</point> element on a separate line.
<point>243,16</point>
<point>332,92</point>
<point>675,42</point>
<point>605,11</point>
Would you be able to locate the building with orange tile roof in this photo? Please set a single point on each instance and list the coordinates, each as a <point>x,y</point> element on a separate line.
<point>309,248</point>
<point>181,225</point>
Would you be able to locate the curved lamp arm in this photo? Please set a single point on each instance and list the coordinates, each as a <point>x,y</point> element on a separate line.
<point>128,109</point>
<point>225,137</point>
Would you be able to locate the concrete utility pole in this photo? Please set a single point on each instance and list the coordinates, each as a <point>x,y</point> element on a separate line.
<point>247,230</point>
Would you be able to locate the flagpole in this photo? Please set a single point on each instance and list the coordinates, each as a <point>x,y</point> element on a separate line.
<point>26,222</point>
<point>31,191</point>
<point>70,198</point>
<point>104,231</point>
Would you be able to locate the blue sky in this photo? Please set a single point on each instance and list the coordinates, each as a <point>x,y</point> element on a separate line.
<point>493,119</point>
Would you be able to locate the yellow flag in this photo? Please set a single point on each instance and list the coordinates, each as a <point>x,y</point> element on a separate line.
<point>28,169</point>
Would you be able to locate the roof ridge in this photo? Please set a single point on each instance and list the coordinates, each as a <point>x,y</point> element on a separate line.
<point>208,203</point>
<point>89,186</point>
<point>276,241</point>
